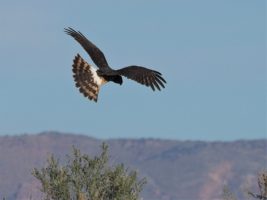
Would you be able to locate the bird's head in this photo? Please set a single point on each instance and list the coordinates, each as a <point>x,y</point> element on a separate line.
<point>118,79</point>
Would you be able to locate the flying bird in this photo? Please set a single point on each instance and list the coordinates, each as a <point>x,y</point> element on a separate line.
<point>89,79</point>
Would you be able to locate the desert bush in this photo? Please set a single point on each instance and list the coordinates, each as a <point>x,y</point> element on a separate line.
<point>86,178</point>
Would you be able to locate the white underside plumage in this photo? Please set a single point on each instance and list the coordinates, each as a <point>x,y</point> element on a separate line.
<point>97,79</point>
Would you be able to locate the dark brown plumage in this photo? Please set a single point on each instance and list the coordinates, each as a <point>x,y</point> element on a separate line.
<point>86,76</point>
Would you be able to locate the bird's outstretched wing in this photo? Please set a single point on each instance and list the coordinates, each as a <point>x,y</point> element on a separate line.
<point>144,76</point>
<point>95,53</point>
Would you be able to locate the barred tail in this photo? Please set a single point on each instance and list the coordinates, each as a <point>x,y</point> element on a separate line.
<point>86,78</point>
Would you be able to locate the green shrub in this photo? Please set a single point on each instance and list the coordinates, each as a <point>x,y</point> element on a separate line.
<point>86,178</point>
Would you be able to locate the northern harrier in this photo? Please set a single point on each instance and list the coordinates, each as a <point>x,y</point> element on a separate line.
<point>88,79</point>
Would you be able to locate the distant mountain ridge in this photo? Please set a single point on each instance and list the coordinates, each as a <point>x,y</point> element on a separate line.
<point>176,170</point>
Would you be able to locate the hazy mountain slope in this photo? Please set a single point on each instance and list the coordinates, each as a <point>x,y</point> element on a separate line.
<point>175,170</point>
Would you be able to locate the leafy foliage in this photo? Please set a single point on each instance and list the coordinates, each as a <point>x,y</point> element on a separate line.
<point>86,178</point>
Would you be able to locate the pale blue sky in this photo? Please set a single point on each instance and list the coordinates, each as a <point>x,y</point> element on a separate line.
<point>211,52</point>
